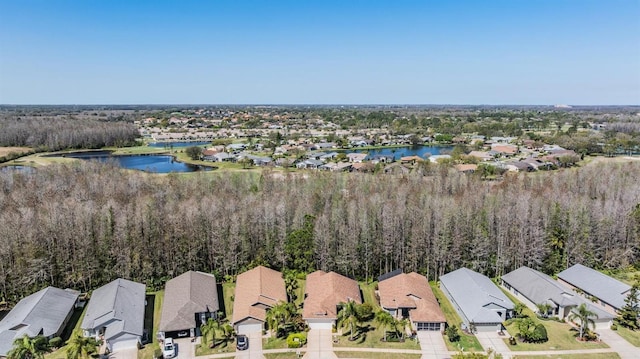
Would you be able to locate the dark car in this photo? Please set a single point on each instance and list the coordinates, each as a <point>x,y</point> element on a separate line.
<point>242,342</point>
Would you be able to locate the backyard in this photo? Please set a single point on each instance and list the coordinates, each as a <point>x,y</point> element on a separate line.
<point>467,342</point>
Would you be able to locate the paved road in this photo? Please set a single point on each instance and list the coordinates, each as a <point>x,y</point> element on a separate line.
<point>432,345</point>
<point>617,343</point>
<point>494,341</point>
<point>320,344</point>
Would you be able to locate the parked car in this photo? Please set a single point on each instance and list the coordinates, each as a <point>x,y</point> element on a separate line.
<point>169,349</point>
<point>242,342</point>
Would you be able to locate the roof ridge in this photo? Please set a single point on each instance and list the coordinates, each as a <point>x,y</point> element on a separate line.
<point>44,291</point>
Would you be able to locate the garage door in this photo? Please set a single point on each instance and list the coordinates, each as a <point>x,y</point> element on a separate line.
<point>124,344</point>
<point>428,326</point>
<point>249,328</point>
<point>321,325</point>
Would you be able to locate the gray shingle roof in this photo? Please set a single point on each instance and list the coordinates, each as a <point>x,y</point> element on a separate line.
<point>591,281</point>
<point>119,305</point>
<point>187,294</point>
<point>539,287</point>
<point>42,313</point>
<point>473,292</point>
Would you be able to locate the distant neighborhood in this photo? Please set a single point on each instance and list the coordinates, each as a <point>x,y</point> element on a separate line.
<point>333,308</point>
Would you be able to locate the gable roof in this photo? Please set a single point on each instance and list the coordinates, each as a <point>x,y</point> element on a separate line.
<point>539,288</point>
<point>189,293</point>
<point>121,301</point>
<point>41,313</point>
<point>324,291</point>
<point>605,288</point>
<point>473,292</point>
<point>256,289</point>
<point>411,291</point>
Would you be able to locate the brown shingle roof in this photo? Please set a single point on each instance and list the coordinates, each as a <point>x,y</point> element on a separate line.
<point>411,291</point>
<point>324,291</point>
<point>187,294</point>
<point>256,290</point>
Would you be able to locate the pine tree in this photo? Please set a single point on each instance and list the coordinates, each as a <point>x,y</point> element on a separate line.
<point>628,315</point>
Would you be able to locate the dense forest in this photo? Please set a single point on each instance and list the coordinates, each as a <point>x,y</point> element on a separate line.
<point>53,134</point>
<point>84,224</point>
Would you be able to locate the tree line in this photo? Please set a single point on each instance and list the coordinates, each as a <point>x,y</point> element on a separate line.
<point>53,134</point>
<point>84,224</point>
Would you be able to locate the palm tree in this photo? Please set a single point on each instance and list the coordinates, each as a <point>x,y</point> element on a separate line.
<point>279,315</point>
<point>228,333</point>
<point>291,285</point>
<point>348,315</point>
<point>584,315</point>
<point>386,320</point>
<point>28,348</point>
<point>80,347</point>
<point>210,327</point>
<point>401,326</point>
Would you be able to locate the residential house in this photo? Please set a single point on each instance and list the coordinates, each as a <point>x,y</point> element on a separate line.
<point>532,288</point>
<point>323,294</point>
<point>190,299</point>
<point>505,149</point>
<point>356,157</point>
<point>115,314</point>
<point>221,157</point>
<point>466,168</point>
<point>45,313</point>
<point>411,159</point>
<point>607,292</point>
<point>257,290</point>
<point>479,302</point>
<point>397,169</point>
<point>382,159</point>
<point>309,164</point>
<point>481,155</point>
<point>409,296</point>
<point>439,158</point>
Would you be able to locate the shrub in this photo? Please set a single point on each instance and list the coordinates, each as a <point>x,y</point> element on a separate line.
<point>540,334</point>
<point>55,342</point>
<point>296,340</point>
<point>452,333</point>
<point>513,341</point>
<point>614,327</point>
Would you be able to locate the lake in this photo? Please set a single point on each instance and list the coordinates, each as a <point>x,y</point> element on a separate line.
<point>147,163</point>
<point>398,152</point>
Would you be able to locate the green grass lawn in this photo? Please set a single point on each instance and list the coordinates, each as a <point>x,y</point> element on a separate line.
<point>274,343</point>
<point>136,150</point>
<point>467,342</point>
<point>560,335</point>
<point>151,323</point>
<point>369,294</point>
<point>370,336</point>
<point>571,356</point>
<point>288,355</point>
<point>228,290</point>
<point>632,337</point>
<point>370,355</point>
<point>228,347</point>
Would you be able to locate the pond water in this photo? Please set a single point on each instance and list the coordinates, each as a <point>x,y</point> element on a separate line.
<point>178,144</point>
<point>147,163</point>
<point>398,152</point>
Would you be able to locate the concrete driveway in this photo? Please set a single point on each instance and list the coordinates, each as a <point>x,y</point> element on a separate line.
<point>186,348</point>
<point>255,347</point>
<point>125,354</point>
<point>319,344</point>
<point>617,343</point>
<point>432,345</point>
<point>495,341</point>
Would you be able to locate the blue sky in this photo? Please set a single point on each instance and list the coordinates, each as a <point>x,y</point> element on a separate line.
<point>320,52</point>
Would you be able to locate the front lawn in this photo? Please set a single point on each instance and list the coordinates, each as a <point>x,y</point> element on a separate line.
<point>369,335</point>
<point>561,337</point>
<point>227,347</point>
<point>274,343</point>
<point>374,355</point>
<point>467,342</point>
<point>631,336</point>
<point>571,356</point>
<point>288,355</point>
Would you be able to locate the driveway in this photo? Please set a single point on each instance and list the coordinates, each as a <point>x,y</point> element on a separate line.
<point>125,354</point>
<point>618,344</point>
<point>492,340</point>
<point>186,348</point>
<point>432,345</point>
<point>319,344</point>
<point>255,347</point>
